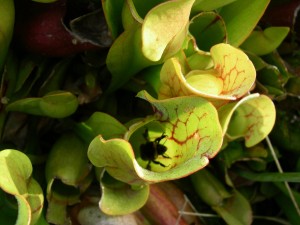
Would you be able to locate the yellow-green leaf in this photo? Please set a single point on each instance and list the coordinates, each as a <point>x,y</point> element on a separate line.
<point>252,118</point>
<point>162,24</point>
<point>232,77</point>
<point>264,42</point>
<point>56,104</point>
<point>117,194</point>
<point>16,180</point>
<point>16,169</point>
<point>192,136</point>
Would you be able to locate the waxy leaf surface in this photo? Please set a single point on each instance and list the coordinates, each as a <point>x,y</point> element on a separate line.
<point>232,77</point>
<point>112,10</point>
<point>57,104</point>
<point>16,180</point>
<point>100,123</point>
<point>147,42</point>
<point>143,7</point>
<point>204,5</point>
<point>241,18</point>
<point>264,42</point>
<point>162,24</point>
<point>236,210</point>
<point>193,135</point>
<point>67,175</point>
<point>253,118</point>
<point>209,29</point>
<point>116,194</point>
<point>231,206</point>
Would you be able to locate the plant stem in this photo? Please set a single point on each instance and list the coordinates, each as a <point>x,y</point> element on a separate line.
<point>281,171</point>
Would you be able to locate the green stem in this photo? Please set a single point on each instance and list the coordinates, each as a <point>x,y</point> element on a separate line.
<point>281,171</point>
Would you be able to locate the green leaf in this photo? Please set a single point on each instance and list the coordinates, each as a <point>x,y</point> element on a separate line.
<point>293,85</point>
<point>241,18</point>
<point>286,134</point>
<point>253,118</point>
<point>126,51</point>
<point>200,61</point>
<point>115,195</point>
<point>100,123</point>
<point>7,20</point>
<point>275,75</point>
<point>152,76</point>
<point>130,16</point>
<point>209,188</point>
<point>35,199</point>
<point>56,104</point>
<point>285,191</point>
<point>67,160</point>
<point>143,44</point>
<point>271,176</point>
<point>182,119</point>
<point>206,5</point>
<point>235,151</point>
<point>16,169</point>
<point>67,175</point>
<point>285,201</point>
<point>10,75</point>
<point>232,77</point>
<point>205,81</point>
<point>117,156</point>
<point>143,7</point>
<point>56,77</point>
<point>208,28</point>
<point>269,78</point>
<point>9,212</point>
<point>42,221</point>
<point>112,11</point>
<point>27,66</point>
<point>288,208</point>
<point>31,69</point>
<point>161,26</point>
<point>23,211</point>
<point>190,142</point>
<point>16,180</point>
<point>264,42</point>
<point>56,212</point>
<point>257,61</point>
<point>234,68</point>
<point>236,210</point>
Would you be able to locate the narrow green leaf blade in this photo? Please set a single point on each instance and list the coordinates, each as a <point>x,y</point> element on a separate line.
<point>271,176</point>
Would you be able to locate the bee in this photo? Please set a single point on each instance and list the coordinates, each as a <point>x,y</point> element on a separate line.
<point>152,149</point>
